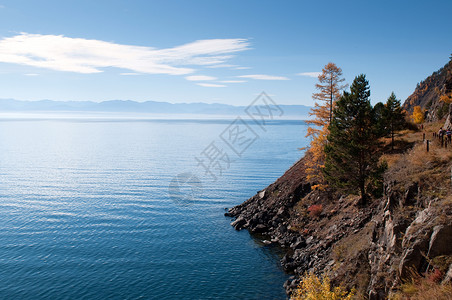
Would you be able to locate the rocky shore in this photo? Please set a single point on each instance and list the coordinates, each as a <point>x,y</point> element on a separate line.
<point>372,248</point>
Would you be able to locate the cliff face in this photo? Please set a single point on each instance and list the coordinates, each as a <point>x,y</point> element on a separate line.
<point>371,248</point>
<point>427,94</point>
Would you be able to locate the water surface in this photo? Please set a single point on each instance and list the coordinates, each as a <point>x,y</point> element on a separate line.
<point>85,211</point>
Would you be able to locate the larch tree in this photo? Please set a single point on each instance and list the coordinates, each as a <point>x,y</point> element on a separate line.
<point>418,115</point>
<point>352,151</point>
<point>329,91</point>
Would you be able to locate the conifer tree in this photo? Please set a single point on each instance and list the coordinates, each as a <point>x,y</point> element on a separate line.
<point>330,88</point>
<point>329,91</point>
<point>393,116</point>
<point>352,151</point>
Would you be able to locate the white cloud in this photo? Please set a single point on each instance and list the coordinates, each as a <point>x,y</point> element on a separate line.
<point>211,85</point>
<point>232,81</point>
<point>80,55</point>
<point>31,74</point>
<point>221,66</point>
<point>263,77</point>
<point>310,74</point>
<point>200,78</point>
<point>129,74</point>
<point>242,68</point>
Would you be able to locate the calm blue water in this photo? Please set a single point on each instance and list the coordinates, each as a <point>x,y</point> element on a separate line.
<point>85,211</point>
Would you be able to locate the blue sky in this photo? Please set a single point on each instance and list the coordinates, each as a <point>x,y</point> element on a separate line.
<point>215,51</point>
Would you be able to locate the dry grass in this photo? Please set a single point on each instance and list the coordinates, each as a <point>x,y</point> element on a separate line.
<point>431,170</point>
<point>423,288</point>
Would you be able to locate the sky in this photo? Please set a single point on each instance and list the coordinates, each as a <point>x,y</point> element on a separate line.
<point>215,51</point>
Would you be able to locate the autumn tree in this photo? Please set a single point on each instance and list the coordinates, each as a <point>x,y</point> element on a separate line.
<point>352,151</point>
<point>418,115</point>
<point>313,287</point>
<point>329,91</point>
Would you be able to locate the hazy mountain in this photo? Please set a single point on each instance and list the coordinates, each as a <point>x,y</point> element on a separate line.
<point>11,105</point>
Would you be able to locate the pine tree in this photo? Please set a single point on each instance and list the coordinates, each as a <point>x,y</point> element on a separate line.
<point>330,88</point>
<point>393,116</point>
<point>352,151</point>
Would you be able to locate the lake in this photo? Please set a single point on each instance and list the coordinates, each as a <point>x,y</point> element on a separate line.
<point>117,208</point>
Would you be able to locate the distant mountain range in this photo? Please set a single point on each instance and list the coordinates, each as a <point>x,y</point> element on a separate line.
<point>128,106</point>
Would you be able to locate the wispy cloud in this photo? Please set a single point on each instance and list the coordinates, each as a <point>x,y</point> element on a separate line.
<point>232,81</point>
<point>130,74</point>
<point>80,55</point>
<point>242,68</point>
<point>263,77</point>
<point>31,74</point>
<point>211,85</point>
<point>200,78</point>
<point>222,66</point>
<point>310,74</point>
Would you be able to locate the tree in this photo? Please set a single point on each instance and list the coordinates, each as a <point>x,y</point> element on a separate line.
<point>330,88</point>
<point>418,115</point>
<point>319,288</point>
<point>352,151</point>
<point>381,125</point>
<point>393,116</point>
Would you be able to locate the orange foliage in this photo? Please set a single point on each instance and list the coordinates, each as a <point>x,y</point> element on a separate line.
<point>446,98</point>
<point>418,115</point>
<point>329,88</point>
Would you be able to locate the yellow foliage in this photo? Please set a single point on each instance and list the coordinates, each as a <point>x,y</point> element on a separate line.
<point>329,88</point>
<point>315,164</point>
<point>446,98</point>
<point>315,288</point>
<point>418,115</point>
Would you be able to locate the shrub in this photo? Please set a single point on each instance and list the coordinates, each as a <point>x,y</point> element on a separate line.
<point>315,288</point>
<point>315,210</point>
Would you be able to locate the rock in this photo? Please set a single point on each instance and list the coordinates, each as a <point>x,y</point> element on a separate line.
<point>448,276</point>
<point>261,194</point>
<point>239,223</point>
<point>440,241</point>
<point>410,195</point>
<point>260,228</point>
<point>299,243</point>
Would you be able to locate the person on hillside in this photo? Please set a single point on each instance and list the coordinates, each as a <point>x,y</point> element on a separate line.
<point>449,135</point>
<point>440,133</point>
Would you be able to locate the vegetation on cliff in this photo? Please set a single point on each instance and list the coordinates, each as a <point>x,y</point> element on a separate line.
<point>398,244</point>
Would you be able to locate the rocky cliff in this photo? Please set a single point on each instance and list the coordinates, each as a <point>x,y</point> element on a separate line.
<point>373,248</point>
<point>428,92</point>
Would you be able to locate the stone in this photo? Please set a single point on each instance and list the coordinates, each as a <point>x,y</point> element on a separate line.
<point>440,241</point>
<point>260,228</point>
<point>239,223</point>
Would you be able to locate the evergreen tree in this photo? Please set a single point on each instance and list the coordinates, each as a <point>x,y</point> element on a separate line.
<point>381,124</point>
<point>352,151</point>
<point>393,116</point>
